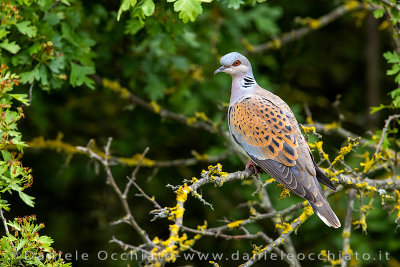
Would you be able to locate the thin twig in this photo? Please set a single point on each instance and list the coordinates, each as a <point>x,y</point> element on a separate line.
<point>110,180</point>
<point>126,246</point>
<point>4,221</point>
<point>294,225</point>
<point>143,194</point>
<point>30,93</point>
<point>131,180</point>
<point>390,4</point>
<point>384,130</point>
<point>288,244</point>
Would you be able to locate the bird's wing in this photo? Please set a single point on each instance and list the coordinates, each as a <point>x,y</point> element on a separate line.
<point>269,138</point>
<point>263,130</point>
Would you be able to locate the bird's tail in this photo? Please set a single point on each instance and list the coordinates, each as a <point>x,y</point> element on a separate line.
<point>325,213</point>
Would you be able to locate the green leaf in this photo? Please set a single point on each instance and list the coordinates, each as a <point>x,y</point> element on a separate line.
<point>21,59</point>
<point>26,29</point>
<point>23,98</point>
<point>133,26</point>
<point>190,38</point>
<point>6,155</point>
<point>15,187</point>
<point>79,74</point>
<point>391,57</point>
<point>57,64</point>
<point>148,7</point>
<point>10,47</point>
<point>27,199</point>
<point>188,9</point>
<point>3,32</point>
<point>395,69</point>
<point>125,5</point>
<point>378,13</point>
<point>21,243</point>
<point>396,102</point>
<point>155,88</point>
<point>395,93</point>
<point>397,79</point>
<point>235,4</point>
<point>43,76</point>
<point>376,109</point>
<point>45,239</point>
<point>30,76</point>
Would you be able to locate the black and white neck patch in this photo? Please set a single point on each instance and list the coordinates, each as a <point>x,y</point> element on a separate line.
<point>248,82</point>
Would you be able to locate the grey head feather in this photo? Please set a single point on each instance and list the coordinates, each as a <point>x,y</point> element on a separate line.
<point>228,59</point>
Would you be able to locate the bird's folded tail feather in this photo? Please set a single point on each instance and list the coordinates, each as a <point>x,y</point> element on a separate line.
<point>326,214</point>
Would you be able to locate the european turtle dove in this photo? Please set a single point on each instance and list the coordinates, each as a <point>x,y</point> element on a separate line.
<point>265,127</point>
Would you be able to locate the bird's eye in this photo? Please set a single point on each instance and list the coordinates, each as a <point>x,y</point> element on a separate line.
<point>236,63</point>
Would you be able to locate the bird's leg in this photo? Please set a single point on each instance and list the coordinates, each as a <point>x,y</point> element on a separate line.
<point>252,164</point>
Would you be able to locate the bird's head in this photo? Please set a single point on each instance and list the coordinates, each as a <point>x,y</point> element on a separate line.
<point>235,64</point>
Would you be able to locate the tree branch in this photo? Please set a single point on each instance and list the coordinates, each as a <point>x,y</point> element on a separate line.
<point>384,130</point>
<point>4,221</point>
<point>110,180</point>
<point>301,32</point>
<point>347,228</point>
<point>60,146</point>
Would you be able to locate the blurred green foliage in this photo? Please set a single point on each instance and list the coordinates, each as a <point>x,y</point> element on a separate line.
<point>166,52</point>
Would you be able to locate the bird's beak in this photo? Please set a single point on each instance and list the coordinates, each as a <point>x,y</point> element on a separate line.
<point>221,69</point>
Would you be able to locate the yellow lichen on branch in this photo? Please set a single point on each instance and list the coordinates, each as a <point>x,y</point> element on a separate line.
<point>60,146</point>
<point>284,193</point>
<point>235,224</point>
<point>175,243</point>
<point>155,106</point>
<point>351,144</point>
<point>314,23</point>
<point>366,186</point>
<point>285,227</point>
<point>307,212</point>
<point>116,87</point>
<point>308,129</point>
<point>362,222</point>
<point>202,227</point>
<point>370,161</point>
<point>397,205</point>
<point>200,156</point>
<point>202,116</point>
<point>215,171</point>
<point>331,126</point>
<point>326,258</point>
<point>318,146</point>
<point>197,116</point>
<point>247,44</point>
<point>191,120</point>
<point>331,174</point>
<point>182,192</point>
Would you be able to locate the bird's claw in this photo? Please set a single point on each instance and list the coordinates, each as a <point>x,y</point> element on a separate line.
<point>252,164</point>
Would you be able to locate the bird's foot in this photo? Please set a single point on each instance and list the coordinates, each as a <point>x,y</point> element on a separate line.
<point>252,164</point>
